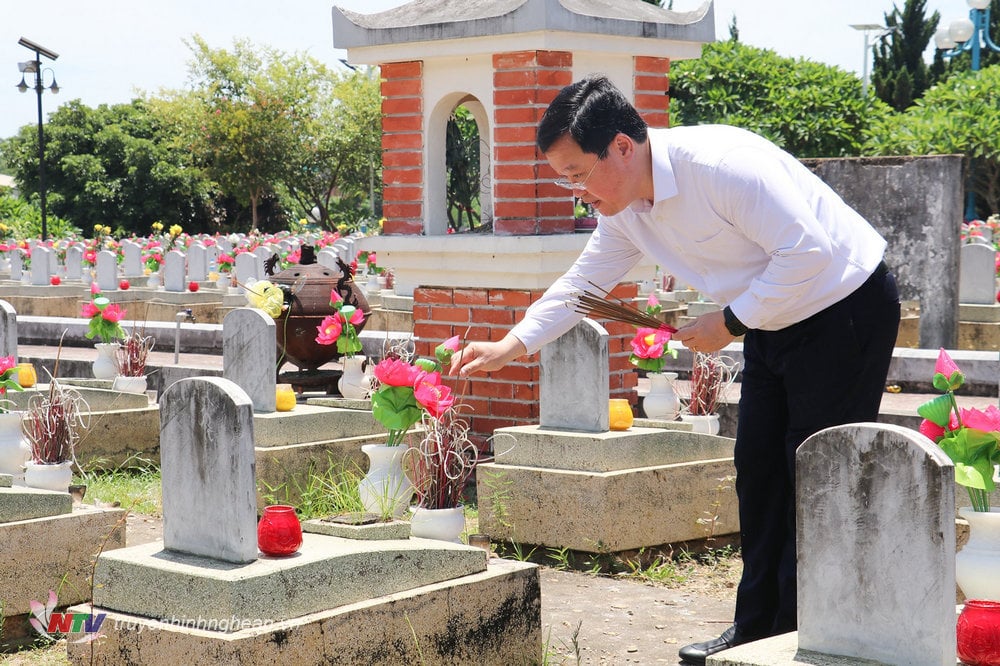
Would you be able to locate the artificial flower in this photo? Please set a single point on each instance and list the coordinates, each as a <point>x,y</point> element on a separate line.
<point>649,346</point>
<point>8,368</point>
<point>432,395</point>
<point>267,297</point>
<point>444,351</point>
<point>970,437</point>
<point>105,319</point>
<point>653,306</point>
<point>405,392</point>
<point>341,326</point>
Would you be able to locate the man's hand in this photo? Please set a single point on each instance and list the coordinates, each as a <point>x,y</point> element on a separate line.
<point>486,356</point>
<point>707,333</point>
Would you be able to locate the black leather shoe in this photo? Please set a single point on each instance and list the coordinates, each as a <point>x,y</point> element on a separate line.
<point>696,653</point>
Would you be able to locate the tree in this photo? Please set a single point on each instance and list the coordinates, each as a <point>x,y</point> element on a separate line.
<point>113,165</point>
<point>462,162</point>
<point>957,116</point>
<point>899,74</point>
<point>810,109</point>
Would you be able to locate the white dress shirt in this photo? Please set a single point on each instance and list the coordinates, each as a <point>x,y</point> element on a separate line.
<point>734,217</point>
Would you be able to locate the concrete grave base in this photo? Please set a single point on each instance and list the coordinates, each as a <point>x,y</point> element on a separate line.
<point>489,617</point>
<point>326,572</point>
<point>54,553</point>
<point>607,492</point>
<point>782,650</point>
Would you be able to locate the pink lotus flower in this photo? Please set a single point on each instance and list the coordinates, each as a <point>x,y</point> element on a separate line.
<point>396,372</point>
<point>329,330</point>
<point>650,342</point>
<point>113,313</point>
<point>335,298</point>
<point>987,420</point>
<point>447,349</point>
<point>432,395</point>
<point>945,365</point>
<point>94,289</point>
<point>357,317</point>
<point>89,310</point>
<point>6,363</point>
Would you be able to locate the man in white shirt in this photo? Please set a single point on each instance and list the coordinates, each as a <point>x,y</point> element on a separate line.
<point>800,273</point>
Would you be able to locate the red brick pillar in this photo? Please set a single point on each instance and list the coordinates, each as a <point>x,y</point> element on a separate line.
<point>651,83</point>
<point>402,147</point>
<point>524,201</point>
<point>509,396</point>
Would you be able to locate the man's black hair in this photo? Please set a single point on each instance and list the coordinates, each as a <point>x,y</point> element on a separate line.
<point>592,111</point>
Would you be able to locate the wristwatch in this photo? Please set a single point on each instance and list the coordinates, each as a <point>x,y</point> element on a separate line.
<point>733,324</point>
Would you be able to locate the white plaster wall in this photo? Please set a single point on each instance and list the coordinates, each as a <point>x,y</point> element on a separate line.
<point>617,67</point>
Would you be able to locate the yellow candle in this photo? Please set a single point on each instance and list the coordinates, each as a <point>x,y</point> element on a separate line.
<point>620,413</point>
<point>26,375</point>
<point>284,398</point>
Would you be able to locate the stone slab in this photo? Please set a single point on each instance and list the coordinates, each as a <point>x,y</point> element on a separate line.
<point>326,572</point>
<point>312,423</point>
<point>490,617</point>
<point>23,503</point>
<point>979,313</point>
<point>598,512</point>
<point>534,446</point>
<point>54,553</point>
<point>6,480</point>
<point>98,399</point>
<point>782,650</point>
<point>341,403</point>
<point>377,531</point>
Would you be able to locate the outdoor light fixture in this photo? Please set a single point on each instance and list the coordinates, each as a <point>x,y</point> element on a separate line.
<point>971,35</point>
<point>35,67</point>
<point>878,32</point>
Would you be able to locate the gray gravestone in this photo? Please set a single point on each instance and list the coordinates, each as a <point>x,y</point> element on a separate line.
<point>224,245</point>
<point>977,283</point>
<point>876,545</point>
<point>574,376</point>
<point>197,260</point>
<point>262,254</point>
<point>132,265</point>
<point>249,355</point>
<point>8,329</point>
<point>341,248</point>
<point>17,264</point>
<point>107,270</point>
<point>174,271</point>
<point>207,467</point>
<point>328,258</point>
<point>41,265</point>
<point>74,262</point>
<point>246,267</point>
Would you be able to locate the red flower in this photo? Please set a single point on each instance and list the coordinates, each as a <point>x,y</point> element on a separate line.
<point>89,310</point>
<point>113,313</point>
<point>396,372</point>
<point>329,330</point>
<point>432,395</point>
<point>987,420</point>
<point>650,342</point>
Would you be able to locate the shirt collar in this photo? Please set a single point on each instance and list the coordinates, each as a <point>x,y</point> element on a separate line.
<point>664,182</point>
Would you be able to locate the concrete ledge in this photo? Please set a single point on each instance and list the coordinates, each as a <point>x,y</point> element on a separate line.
<point>636,447</point>
<point>54,553</point>
<point>23,503</point>
<point>606,512</point>
<point>327,572</point>
<point>491,617</point>
<point>312,423</point>
<point>378,531</point>
<point>979,313</point>
<point>782,650</point>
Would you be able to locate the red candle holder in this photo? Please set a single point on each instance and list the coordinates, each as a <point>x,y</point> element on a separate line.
<point>978,633</point>
<point>279,532</point>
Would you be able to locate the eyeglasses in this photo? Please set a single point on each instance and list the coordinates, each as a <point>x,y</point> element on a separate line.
<point>579,186</point>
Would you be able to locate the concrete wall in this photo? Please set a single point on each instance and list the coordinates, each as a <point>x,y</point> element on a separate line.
<point>916,204</point>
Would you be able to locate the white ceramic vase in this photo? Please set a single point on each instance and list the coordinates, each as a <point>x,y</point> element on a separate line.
<point>439,524</point>
<point>56,476</point>
<point>355,383</point>
<point>129,384</point>
<point>661,402</point>
<point>385,490</point>
<point>707,424</point>
<point>14,447</point>
<point>104,365</point>
<point>978,563</point>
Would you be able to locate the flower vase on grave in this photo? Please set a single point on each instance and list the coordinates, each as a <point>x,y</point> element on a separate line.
<point>977,564</point>
<point>104,365</point>
<point>438,524</point>
<point>49,476</point>
<point>662,402</point>
<point>707,424</point>
<point>978,633</point>
<point>14,448</point>
<point>385,490</point>
<point>279,531</point>
<point>355,383</point>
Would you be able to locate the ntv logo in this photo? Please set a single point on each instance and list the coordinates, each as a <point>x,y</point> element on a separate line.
<point>47,622</point>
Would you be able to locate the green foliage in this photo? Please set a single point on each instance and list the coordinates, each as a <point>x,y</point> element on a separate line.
<point>134,483</point>
<point>957,116</point>
<point>462,163</point>
<point>23,219</point>
<point>113,165</point>
<point>899,74</point>
<point>809,109</point>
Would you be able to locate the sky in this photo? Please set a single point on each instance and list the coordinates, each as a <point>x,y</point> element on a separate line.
<point>111,49</point>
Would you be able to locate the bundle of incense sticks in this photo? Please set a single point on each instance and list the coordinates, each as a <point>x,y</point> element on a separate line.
<point>591,304</point>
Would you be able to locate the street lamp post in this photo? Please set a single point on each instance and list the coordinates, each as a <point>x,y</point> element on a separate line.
<point>35,67</point>
<point>970,35</point>
<point>870,29</point>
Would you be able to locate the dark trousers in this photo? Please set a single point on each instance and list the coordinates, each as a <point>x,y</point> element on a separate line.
<point>827,370</point>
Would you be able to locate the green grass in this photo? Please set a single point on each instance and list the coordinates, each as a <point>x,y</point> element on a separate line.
<point>134,485</point>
